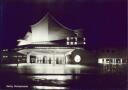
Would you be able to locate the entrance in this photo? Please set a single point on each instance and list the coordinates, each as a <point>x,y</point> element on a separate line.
<point>50,59</point>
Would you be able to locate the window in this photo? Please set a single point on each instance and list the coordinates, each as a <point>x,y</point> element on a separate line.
<point>5,56</point>
<point>84,43</point>
<point>67,43</point>
<point>100,60</point>
<point>68,38</point>
<point>71,43</point>
<point>75,43</point>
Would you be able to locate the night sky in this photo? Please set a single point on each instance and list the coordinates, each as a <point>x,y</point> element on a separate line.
<point>103,21</point>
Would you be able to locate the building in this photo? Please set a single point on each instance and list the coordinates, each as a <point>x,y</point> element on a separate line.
<point>50,42</point>
<point>112,56</point>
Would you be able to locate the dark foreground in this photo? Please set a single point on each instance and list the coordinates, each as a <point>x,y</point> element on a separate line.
<point>63,77</point>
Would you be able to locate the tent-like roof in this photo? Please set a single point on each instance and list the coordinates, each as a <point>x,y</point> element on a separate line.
<point>50,29</point>
<point>46,30</point>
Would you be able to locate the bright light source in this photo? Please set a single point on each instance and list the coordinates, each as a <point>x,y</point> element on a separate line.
<point>75,43</point>
<point>100,60</point>
<point>77,58</point>
<point>84,42</point>
<point>67,43</point>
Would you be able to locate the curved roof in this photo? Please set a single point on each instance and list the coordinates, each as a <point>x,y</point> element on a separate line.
<point>49,29</point>
<point>46,30</point>
<point>50,18</point>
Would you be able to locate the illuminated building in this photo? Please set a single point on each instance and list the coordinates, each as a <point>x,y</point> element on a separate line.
<point>50,42</point>
<point>112,56</point>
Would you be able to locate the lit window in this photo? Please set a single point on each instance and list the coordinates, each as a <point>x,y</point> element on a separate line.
<point>5,56</point>
<point>84,42</point>
<point>84,38</point>
<point>77,58</point>
<point>71,43</point>
<point>100,60</point>
<point>4,49</point>
<point>75,43</point>
<point>67,43</point>
<point>67,38</point>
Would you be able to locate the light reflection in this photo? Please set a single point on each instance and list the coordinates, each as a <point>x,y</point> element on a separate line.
<point>51,69</point>
<point>49,87</point>
<point>52,77</point>
<point>112,68</point>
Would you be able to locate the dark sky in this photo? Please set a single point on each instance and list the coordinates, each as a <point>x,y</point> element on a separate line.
<point>104,21</point>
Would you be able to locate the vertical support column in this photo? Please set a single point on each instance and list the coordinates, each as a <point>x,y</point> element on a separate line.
<point>113,60</point>
<point>120,60</point>
<point>47,59</point>
<point>36,60</point>
<point>104,60</point>
<point>28,58</point>
<point>54,57</point>
<point>64,59</point>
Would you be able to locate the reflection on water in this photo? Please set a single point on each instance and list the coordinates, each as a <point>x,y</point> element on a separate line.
<point>51,77</point>
<point>110,68</point>
<point>75,77</point>
<point>51,69</point>
<point>49,87</point>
